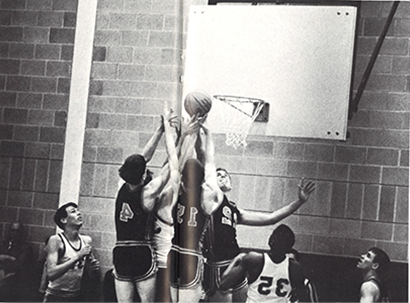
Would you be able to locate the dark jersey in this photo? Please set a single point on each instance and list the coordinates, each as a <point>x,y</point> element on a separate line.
<point>221,243</point>
<point>132,222</point>
<point>189,220</point>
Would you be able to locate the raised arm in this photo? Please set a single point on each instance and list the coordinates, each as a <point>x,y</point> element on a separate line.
<point>152,144</point>
<point>188,141</point>
<point>169,172</point>
<point>259,218</point>
<point>212,195</point>
<point>55,270</point>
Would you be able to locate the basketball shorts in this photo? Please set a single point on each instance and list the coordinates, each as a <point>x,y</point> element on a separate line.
<point>162,241</point>
<point>187,270</point>
<point>133,261</point>
<point>212,277</point>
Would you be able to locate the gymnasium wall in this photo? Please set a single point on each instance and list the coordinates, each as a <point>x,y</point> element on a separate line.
<point>361,198</point>
<point>36,52</point>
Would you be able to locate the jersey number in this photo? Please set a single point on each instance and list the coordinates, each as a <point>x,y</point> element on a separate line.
<point>227,218</point>
<point>192,215</point>
<point>263,288</point>
<point>126,212</point>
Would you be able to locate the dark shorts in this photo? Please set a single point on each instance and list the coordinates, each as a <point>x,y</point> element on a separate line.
<point>133,262</point>
<point>187,270</point>
<point>212,277</point>
<point>52,298</point>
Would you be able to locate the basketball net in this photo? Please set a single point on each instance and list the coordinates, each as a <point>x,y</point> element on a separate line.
<point>239,121</point>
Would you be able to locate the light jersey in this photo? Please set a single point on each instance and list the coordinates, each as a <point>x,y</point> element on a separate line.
<point>69,284</point>
<point>273,283</point>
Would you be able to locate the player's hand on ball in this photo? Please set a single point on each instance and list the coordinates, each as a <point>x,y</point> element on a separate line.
<point>305,190</point>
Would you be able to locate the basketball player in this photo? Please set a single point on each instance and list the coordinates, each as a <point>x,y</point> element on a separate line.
<point>374,265</point>
<point>133,254</point>
<point>272,276</point>
<point>191,215</point>
<point>66,256</point>
<point>310,287</point>
<point>221,243</point>
<point>164,221</point>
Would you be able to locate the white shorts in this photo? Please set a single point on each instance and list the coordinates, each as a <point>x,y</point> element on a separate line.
<point>162,240</point>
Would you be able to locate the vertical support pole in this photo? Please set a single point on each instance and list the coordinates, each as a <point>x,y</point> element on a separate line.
<point>372,60</point>
<point>77,108</point>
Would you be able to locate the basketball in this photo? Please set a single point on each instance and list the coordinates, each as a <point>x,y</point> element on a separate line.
<point>198,103</point>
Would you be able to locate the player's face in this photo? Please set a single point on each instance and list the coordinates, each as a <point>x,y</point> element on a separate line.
<point>224,180</point>
<point>366,260</point>
<point>73,216</point>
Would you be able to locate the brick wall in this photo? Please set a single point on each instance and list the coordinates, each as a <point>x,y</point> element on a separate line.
<point>36,51</point>
<point>362,184</point>
<point>135,69</point>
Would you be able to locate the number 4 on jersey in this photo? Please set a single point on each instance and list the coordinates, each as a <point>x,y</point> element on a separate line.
<point>126,212</point>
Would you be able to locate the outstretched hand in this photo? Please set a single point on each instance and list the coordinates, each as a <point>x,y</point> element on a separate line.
<point>170,116</point>
<point>305,190</point>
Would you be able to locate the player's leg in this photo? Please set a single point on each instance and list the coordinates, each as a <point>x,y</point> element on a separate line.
<point>125,290</point>
<point>163,284</point>
<point>193,294</point>
<point>146,289</point>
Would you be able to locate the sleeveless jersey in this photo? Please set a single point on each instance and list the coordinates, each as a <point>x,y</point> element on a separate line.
<point>132,222</point>
<point>189,220</point>
<point>273,284</point>
<point>69,284</point>
<point>221,235</point>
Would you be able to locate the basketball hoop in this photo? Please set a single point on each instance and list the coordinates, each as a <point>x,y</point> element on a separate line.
<point>239,121</point>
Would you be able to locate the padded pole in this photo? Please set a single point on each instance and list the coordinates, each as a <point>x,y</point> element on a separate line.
<point>373,58</point>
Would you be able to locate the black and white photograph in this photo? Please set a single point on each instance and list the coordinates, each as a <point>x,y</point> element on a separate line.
<point>204,151</point>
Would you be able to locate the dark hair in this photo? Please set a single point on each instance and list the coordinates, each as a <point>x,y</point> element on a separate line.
<point>284,235</point>
<point>133,169</point>
<point>193,173</point>
<point>61,213</point>
<point>223,169</point>
<point>381,258</point>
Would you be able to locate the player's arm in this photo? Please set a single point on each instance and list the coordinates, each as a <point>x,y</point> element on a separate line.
<point>369,292</point>
<point>212,195</point>
<point>297,278</point>
<point>152,144</point>
<point>259,218</point>
<point>169,171</point>
<point>55,270</point>
<point>243,265</point>
<point>170,191</point>
<point>188,139</point>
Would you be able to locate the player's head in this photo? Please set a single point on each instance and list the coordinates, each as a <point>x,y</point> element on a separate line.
<point>61,215</point>
<point>16,232</point>
<point>192,174</point>
<point>133,169</point>
<point>224,179</point>
<point>374,259</point>
<point>282,239</point>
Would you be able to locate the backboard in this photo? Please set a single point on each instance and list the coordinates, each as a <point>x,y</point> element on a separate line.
<point>296,58</point>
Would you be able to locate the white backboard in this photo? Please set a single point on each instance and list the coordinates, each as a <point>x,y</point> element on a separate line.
<point>296,58</point>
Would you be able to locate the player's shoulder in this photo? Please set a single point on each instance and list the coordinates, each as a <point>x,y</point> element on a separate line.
<point>253,258</point>
<point>55,241</point>
<point>87,239</point>
<point>370,286</point>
